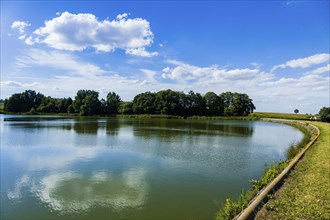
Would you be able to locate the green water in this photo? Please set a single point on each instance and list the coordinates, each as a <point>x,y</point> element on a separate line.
<point>107,168</point>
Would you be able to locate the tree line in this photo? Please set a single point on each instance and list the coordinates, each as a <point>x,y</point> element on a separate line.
<point>325,114</point>
<point>169,102</point>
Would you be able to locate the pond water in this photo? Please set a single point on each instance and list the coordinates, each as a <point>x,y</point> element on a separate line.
<point>108,168</point>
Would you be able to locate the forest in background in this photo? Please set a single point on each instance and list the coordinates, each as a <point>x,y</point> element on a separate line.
<point>168,102</point>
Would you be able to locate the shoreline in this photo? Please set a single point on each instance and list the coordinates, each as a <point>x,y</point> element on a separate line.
<point>256,203</point>
<point>250,202</point>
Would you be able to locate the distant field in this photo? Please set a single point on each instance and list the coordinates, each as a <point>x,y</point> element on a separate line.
<point>282,115</point>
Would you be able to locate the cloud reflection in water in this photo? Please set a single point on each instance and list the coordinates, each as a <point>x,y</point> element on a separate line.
<point>69,192</point>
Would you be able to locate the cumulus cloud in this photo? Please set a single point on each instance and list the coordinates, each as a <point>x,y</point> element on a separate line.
<point>141,52</point>
<point>305,62</point>
<point>57,60</point>
<point>77,32</point>
<point>184,72</point>
<point>20,26</point>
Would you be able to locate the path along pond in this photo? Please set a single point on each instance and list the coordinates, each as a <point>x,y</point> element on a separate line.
<point>89,168</point>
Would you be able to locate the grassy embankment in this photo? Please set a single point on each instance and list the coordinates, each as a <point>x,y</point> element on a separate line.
<point>281,115</point>
<point>306,192</point>
<point>231,208</point>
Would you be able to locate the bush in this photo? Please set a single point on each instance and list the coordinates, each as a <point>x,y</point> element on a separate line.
<point>325,114</point>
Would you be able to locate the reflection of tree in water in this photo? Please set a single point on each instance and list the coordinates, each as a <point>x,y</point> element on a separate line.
<point>112,126</point>
<point>40,122</point>
<point>199,143</point>
<point>91,126</point>
<point>84,126</point>
<point>177,128</point>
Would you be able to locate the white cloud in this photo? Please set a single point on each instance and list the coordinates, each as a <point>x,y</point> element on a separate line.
<point>150,74</point>
<point>236,73</point>
<point>77,32</point>
<point>57,60</point>
<point>184,72</point>
<point>305,62</point>
<point>321,70</point>
<point>270,91</point>
<point>20,26</point>
<point>122,16</point>
<point>9,83</point>
<point>141,52</point>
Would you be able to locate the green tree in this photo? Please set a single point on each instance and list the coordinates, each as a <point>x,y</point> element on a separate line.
<point>54,105</point>
<point>126,108</point>
<point>23,102</point>
<point>296,111</point>
<point>144,103</point>
<point>87,103</point>
<point>325,114</point>
<point>237,104</point>
<point>194,104</point>
<point>63,104</point>
<point>168,102</point>
<point>48,105</point>
<point>112,103</point>
<point>214,104</point>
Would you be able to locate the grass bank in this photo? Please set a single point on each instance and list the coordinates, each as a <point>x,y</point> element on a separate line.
<point>281,115</point>
<point>2,108</point>
<point>230,208</point>
<point>305,194</point>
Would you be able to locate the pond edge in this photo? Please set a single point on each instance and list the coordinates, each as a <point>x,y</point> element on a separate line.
<point>257,201</point>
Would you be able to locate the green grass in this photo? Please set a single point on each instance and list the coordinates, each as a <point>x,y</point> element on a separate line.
<point>281,115</point>
<point>2,107</point>
<point>231,208</point>
<point>306,192</point>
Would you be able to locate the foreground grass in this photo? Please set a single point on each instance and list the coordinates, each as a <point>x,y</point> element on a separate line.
<point>281,115</point>
<point>306,192</point>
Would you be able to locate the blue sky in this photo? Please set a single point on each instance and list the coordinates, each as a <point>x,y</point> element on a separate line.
<point>275,51</point>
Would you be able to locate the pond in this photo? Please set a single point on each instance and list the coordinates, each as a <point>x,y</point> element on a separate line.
<point>109,168</point>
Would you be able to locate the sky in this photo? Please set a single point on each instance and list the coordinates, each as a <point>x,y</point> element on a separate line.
<point>277,52</point>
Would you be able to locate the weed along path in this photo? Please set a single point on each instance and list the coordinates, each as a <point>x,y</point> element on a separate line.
<point>305,194</point>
